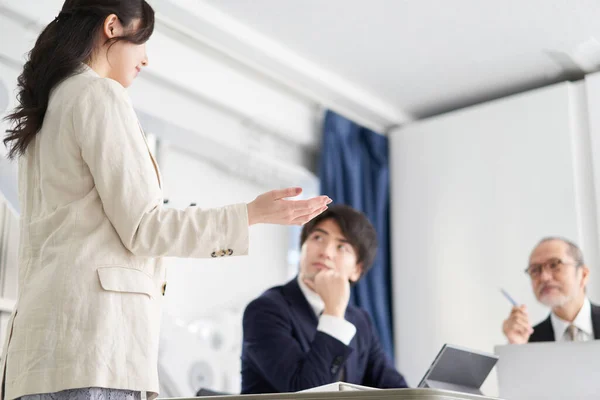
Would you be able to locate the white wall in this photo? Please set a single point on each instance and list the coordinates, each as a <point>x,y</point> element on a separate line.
<point>592,89</point>
<point>472,193</point>
<point>201,291</point>
<point>8,207</point>
<point>8,170</point>
<point>203,282</point>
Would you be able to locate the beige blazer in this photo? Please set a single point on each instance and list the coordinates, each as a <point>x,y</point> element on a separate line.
<point>93,230</point>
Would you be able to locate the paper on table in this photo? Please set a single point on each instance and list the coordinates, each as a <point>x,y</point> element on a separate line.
<point>338,387</point>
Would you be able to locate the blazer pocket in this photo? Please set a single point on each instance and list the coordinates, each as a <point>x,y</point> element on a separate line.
<point>128,280</point>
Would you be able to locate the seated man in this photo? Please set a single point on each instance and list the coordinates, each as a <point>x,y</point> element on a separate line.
<point>304,334</point>
<point>558,278</point>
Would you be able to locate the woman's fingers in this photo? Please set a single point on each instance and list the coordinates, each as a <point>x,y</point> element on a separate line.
<point>272,208</point>
<point>303,219</point>
<point>279,194</point>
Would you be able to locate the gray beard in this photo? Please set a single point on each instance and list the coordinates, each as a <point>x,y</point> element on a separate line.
<point>555,301</point>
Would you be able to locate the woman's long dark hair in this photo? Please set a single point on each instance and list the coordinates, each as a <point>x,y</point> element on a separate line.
<point>59,52</point>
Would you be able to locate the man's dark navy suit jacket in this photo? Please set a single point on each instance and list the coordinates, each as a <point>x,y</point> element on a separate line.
<point>283,351</point>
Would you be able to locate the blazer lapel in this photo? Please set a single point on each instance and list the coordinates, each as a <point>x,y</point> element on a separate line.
<point>151,156</point>
<point>305,318</point>
<point>596,321</point>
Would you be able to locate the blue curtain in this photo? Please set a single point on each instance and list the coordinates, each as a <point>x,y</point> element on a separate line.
<point>354,170</point>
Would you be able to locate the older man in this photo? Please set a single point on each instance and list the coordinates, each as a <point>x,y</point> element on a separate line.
<point>558,277</point>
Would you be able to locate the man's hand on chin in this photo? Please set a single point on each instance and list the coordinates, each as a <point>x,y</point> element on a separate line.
<point>334,289</point>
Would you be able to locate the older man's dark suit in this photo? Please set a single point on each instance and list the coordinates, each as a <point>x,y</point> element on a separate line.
<point>543,332</point>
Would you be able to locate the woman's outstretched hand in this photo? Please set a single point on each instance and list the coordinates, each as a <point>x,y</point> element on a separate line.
<point>274,208</point>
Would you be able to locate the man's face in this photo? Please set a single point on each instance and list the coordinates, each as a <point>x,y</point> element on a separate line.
<point>327,248</point>
<point>555,287</point>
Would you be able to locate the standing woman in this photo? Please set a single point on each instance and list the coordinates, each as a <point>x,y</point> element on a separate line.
<point>93,229</point>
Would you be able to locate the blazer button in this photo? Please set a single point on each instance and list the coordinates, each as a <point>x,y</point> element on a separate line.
<point>164,288</point>
<point>213,254</point>
<point>229,252</point>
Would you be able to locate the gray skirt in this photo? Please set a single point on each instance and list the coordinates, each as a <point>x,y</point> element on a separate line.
<point>86,394</point>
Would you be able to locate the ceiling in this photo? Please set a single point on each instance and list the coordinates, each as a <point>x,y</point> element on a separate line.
<point>405,59</point>
<point>424,57</point>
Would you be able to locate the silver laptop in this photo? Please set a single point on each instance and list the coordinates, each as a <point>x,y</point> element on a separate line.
<point>459,369</point>
<point>549,371</point>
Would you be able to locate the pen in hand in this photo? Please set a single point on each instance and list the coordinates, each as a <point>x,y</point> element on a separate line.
<point>516,327</point>
<point>509,298</point>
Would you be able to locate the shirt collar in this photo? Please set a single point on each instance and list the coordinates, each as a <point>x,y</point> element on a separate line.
<point>583,321</point>
<point>314,300</point>
<point>86,69</point>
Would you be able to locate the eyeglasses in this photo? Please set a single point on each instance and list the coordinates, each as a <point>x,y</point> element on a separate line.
<point>554,265</point>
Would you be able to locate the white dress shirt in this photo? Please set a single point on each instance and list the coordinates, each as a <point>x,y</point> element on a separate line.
<point>336,327</point>
<point>583,322</point>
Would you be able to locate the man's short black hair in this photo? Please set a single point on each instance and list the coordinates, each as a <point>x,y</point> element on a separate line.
<point>355,227</point>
